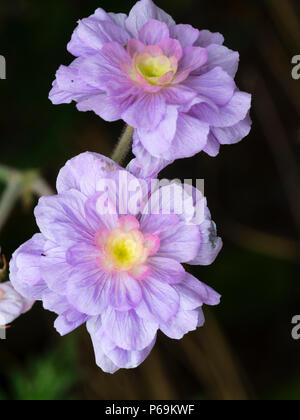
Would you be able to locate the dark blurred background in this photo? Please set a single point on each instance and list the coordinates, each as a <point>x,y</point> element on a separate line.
<point>245,351</point>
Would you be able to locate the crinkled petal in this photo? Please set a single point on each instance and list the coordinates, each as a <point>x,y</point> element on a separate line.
<point>125,292</point>
<point>221,56</point>
<point>143,11</point>
<point>83,171</point>
<point>146,112</point>
<point>231,114</point>
<point>234,134</point>
<point>181,243</point>
<point>25,274</point>
<point>215,85</point>
<point>160,300</point>
<point>158,140</point>
<point>128,330</point>
<point>61,218</point>
<point>207,38</point>
<point>193,293</point>
<point>185,34</point>
<point>153,32</point>
<point>94,32</point>
<point>182,323</point>
<point>12,304</point>
<point>190,137</point>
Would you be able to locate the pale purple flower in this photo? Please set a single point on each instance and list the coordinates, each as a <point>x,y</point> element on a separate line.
<point>12,304</point>
<point>120,273</point>
<point>173,83</point>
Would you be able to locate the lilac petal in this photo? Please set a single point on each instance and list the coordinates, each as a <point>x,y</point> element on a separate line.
<point>101,68</point>
<point>82,172</point>
<point>182,323</point>
<point>181,243</point>
<point>190,138</point>
<point>234,134</point>
<point>185,34</point>
<point>104,362</point>
<point>69,86</point>
<point>12,304</point>
<point>157,223</point>
<point>220,56</point>
<point>128,359</point>
<point>171,48</point>
<point>158,140</point>
<point>69,321</point>
<point>101,212</point>
<point>146,112</point>
<point>62,219</point>
<point>153,32</point>
<point>118,357</point>
<point>212,147</point>
<point>125,292</point>
<point>231,114</point>
<point>179,95</point>
<point>54,267</point>
<point>128,330</point>
<point>135,46</point>
<point>215,85</point>
<point>92,33</point>
<point>145,165</point>
<point>108,108</point>
<point>207,38</point>
<point>193,58</point>
<point>166,270</point>
<point>143,11</point>
<point>25,273</point>
<point>88,288</point>
<point>211,244</point>
<point>160,300</point>
<point>193,293</point>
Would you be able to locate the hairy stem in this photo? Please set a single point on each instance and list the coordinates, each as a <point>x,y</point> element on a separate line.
<point>123,146</point>
<point>8,200</point>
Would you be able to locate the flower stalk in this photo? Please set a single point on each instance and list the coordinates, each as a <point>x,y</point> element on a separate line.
<point>123,146</point>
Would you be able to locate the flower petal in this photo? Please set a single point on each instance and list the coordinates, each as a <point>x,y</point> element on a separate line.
<point>143,11</point>
<point>128,330</point>
<point>153,32</point>
<point>207,38</point>
<point>182,323</point>
<point>25,272</point>
<point>215,85</point>
<point>160,300</point>
<point>185,34</point>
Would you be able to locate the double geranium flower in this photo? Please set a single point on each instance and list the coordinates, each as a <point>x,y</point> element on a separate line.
<point>110,254</point>
<point>173,83</point>
<point>112,257</point>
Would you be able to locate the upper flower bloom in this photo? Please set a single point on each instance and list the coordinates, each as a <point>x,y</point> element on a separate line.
<point>173,83</point>
<point>12,304</point>
<point>111,255</point>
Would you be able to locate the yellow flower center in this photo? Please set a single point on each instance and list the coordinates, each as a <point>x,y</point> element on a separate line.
<point>124,251</point>
<point>153,68</point>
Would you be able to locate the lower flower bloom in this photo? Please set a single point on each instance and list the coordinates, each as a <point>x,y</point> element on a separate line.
<point>120,272</point>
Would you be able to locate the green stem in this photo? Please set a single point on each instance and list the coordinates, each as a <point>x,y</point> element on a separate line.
<point>8,201</point>
<point>123,146</point>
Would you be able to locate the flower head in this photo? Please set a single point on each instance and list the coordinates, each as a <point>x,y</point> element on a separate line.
<point>111,256</point>
<point>12,304</point>
<point>173,83</point>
